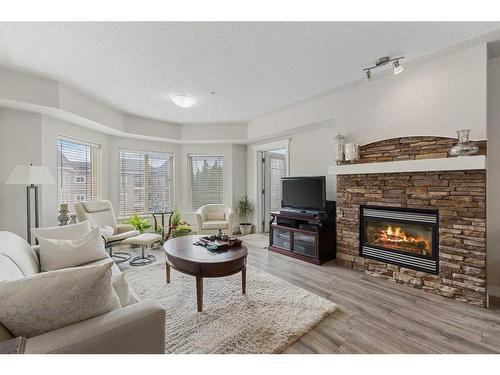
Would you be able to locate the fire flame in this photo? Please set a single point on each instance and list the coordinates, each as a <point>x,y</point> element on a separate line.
<point>396,235</point>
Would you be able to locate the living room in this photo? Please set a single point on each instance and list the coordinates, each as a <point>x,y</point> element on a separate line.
<point>272,187</point>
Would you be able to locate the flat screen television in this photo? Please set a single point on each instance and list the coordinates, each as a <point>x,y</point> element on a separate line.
<point>304,193</point>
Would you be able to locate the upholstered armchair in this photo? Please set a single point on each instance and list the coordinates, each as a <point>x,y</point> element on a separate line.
<point>212,217</point>
<point>100,214</point>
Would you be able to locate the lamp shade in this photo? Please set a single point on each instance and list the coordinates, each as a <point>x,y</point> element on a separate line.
<point>30,174</point>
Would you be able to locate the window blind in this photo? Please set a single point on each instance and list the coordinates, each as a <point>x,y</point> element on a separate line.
<point>207,180</point>
<point>145,180</point>
<point>77,172</point>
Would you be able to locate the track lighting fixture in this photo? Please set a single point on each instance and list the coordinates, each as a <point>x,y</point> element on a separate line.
<point>368,77</point>
<point>397,68</point>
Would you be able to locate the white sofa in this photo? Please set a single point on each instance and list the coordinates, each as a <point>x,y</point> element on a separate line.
<point>212,217</point>
<point>136,328</point>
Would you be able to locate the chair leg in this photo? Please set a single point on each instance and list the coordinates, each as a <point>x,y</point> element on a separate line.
<point>143,259</point>
<point>118,256</point>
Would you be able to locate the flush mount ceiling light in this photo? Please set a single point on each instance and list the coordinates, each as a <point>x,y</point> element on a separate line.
<point>397,68</point>
<point>183,100</point>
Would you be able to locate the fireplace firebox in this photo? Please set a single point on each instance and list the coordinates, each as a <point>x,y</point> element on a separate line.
<point>400,236</point>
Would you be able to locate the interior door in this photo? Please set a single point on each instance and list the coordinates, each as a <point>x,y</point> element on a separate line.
<point>273,168</point>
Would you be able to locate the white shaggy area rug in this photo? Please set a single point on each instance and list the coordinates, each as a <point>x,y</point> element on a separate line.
<point>271,316</point>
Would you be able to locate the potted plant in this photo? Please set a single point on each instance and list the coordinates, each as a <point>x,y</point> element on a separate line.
<point>244,209</point>
<point>139,224</point>
<point>179,227</point>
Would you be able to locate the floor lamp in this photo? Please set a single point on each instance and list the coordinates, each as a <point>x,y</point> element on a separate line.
<point>31,176</point>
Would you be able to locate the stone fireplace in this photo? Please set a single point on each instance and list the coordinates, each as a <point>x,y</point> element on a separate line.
<point>423,229</point>
<point>404,237</point>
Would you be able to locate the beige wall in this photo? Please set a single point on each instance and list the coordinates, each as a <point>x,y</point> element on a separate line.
<point>433,98</point>
<point>310,155</point>
<point>493,177</point>
<point>20,134</point>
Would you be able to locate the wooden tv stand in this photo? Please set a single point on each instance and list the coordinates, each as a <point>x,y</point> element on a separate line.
<point>307,238</point>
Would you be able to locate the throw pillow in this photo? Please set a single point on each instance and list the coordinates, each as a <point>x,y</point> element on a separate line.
<point>50,300</point>
<point>122,289</point>
<point>63,232</point>
<point>57,254</point>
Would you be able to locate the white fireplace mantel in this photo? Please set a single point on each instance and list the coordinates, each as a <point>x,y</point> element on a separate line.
<point>421,165</point>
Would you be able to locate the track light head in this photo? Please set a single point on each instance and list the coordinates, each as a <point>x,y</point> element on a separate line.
<point>397,67</point>
<point>368,76</point>
<point>382,61</point>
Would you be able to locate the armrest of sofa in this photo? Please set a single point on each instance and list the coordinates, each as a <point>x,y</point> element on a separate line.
<point>137,328</point>
<point>199,218</point>
<point>229,216</point>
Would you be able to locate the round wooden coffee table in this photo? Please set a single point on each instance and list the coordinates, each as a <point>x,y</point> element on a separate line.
<point>197,261</point>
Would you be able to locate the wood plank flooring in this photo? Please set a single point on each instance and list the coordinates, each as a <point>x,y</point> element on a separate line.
<point>380,316</point>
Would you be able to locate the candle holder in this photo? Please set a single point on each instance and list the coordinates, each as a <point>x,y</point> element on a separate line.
<point>351,152</point>
<point>339,148</point>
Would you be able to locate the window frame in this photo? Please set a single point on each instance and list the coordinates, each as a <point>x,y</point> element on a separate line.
<point>83,142</point>
<point>190,176</point>
<point>171,154</point>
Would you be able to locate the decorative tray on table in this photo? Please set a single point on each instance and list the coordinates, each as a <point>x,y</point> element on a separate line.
<point>218,245</point>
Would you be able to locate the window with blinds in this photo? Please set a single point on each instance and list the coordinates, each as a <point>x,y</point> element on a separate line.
<point>145,180</point>
<point>78,172</point>
<point>207,180</point>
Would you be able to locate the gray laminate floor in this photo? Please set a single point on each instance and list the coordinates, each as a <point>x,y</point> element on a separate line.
<point>380,316</point>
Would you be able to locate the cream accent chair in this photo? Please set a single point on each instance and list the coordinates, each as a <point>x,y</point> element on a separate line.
<point>132,329</point>
<point>212,217</point>
<point>100,214</point>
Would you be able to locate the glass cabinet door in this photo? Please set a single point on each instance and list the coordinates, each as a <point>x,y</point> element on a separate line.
<point>304,243</point>
<point>281,238</point>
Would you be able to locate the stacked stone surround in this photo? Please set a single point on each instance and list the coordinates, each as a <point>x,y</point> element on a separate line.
<point>459,197</point>
<point>410,148</point>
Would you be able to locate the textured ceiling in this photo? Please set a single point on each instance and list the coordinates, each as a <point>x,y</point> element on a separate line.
<point>254,68</point>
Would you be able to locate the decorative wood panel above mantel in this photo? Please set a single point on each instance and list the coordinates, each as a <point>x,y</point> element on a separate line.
<point>420,165</point>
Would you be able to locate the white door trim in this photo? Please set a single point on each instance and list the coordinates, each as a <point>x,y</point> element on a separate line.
<point>257,155</point>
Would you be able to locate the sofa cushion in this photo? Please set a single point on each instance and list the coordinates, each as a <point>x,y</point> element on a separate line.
<point>58,254</point>
<point>214,224</point>
<point>215,215</point>
<point>63,232</point>
<point>144,239</point>
<point>17,257</point>
<point>50,300</point>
